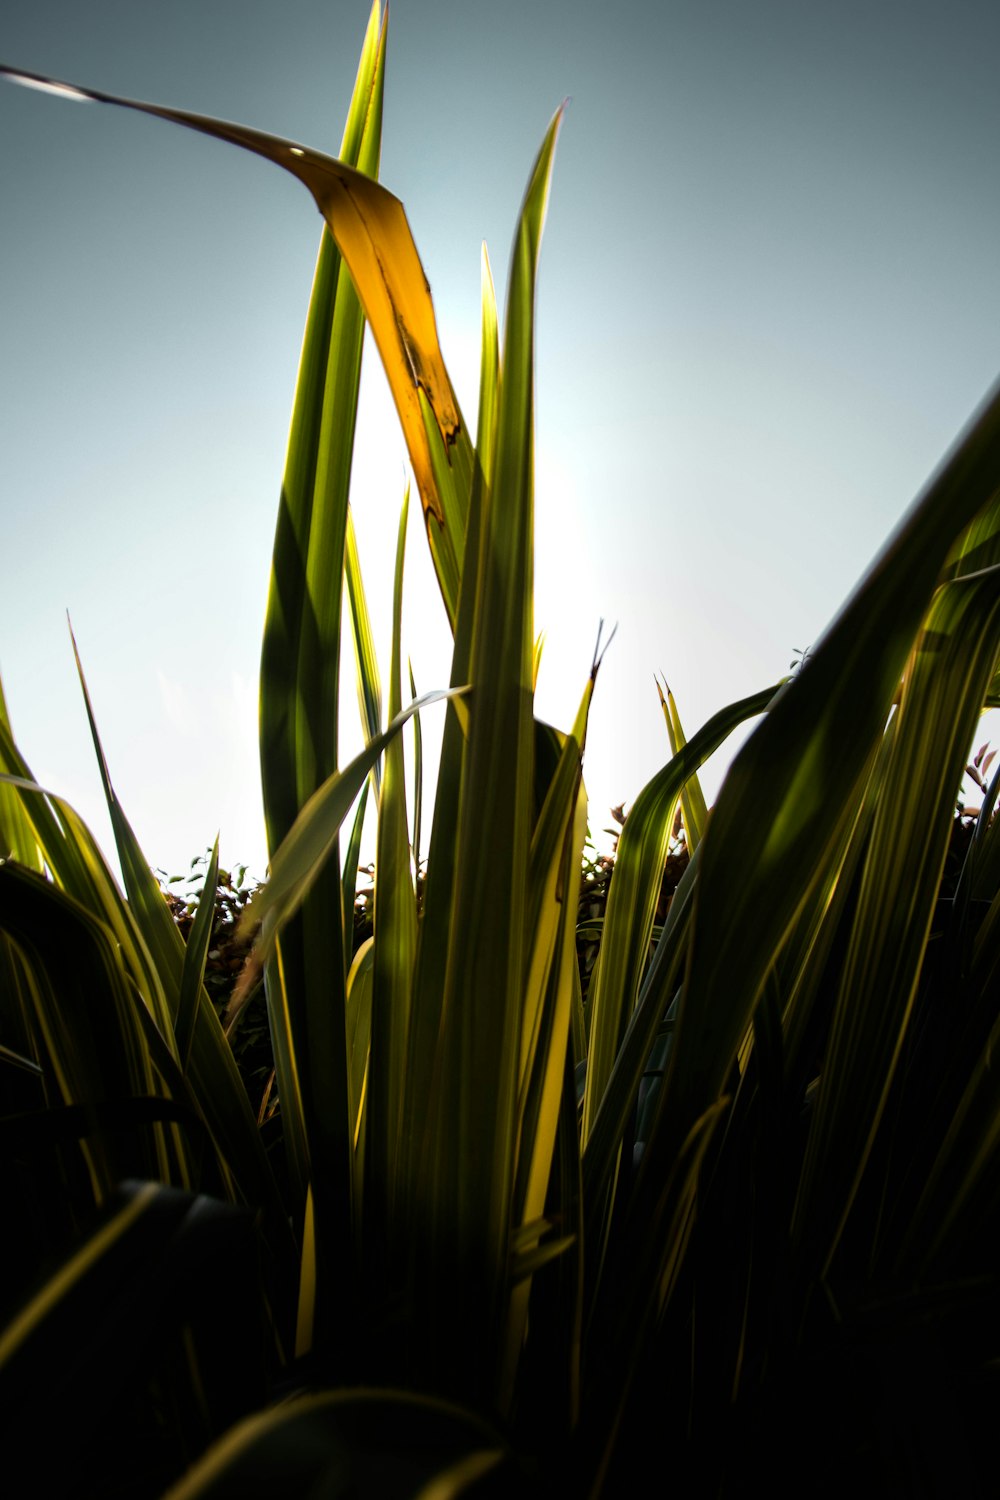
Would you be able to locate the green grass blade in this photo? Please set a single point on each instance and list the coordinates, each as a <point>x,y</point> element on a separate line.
<point>17,836</point>
<point>301,858</point>
<point>778,814</point>
<point>775,832</point>
<point>439,890</point>
<point>359,1030</point>
<point>553,887</point>
<point>470,1149</point>
<point>395,927</point>
<point>77,865</point>
<point>418,777</point>
<point>944,684</point>
<point>213,1073</point>
<point>299,709</point>
<point>366,662</point>
<point>195,955</point>
<point>545,1036</point>
<point>82,1019</point>
<point>349,880</point>
<point>618,1101</point>
<point>635,889</point>
<point>693,808</point>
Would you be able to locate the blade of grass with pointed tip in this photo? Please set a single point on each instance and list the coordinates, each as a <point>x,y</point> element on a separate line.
<point>77,865</point>
<point>195,954</point>
<point>159,959</point>
<point>467,1165</point>
<point>152,951</point>
<point>553,880</point>
<point>299,711</point>
<point>78,868</point>
<point>439,887</point>
<point>536,658</point>
<point>395,930</point>
<point>693,808</point>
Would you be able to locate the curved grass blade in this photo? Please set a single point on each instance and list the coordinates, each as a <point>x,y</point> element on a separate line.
<point>635,890</point>
<point>779,812</point>
<point>778,824</point>
<point>17,836</point>
<point>301,857</point>
<point>946,676</point>
<point>78,1007</point>
<point>299,715</point>
<point>78,867</point>
<point>372,233</point>
<point>156,954</point>
<point>365,1442</point>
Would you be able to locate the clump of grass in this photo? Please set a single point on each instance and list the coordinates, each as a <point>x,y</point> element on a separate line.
<point>739,1204</point>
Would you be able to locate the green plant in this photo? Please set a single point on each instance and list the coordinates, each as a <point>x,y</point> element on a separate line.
<point>743,1202</point>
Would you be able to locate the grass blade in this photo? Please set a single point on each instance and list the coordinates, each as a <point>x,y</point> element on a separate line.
<point>395,925</point>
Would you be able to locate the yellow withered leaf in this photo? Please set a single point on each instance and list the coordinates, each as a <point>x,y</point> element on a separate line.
<point>370,228</point>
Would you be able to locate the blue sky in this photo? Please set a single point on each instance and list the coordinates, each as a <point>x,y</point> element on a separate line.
<point>768,303</point>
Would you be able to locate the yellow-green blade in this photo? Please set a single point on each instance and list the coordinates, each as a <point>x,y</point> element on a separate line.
<point>439,890</point>
<point>301,858</point>
<point>299,712</point>
<point>693,808</point>
<point>395,931</point>
<point>779,811</point>
<point>17,836</point>
<point>195,956</point>
<point>635,889</point>
<point>365,660</point>
<point>946,677</point>
<point>469,1153</point>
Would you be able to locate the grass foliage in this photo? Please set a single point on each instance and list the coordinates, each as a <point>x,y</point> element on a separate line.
<point>723,1208</point>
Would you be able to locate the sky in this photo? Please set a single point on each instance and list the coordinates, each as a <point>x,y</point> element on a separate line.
<point>768,303</point>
